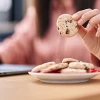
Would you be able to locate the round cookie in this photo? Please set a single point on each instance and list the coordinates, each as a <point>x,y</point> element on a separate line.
<point>68,60</point>
<point>69,70</point>
<point>81,65</point>
<point>55,67</point>
<point>66,25</point>
<point>42,66</point>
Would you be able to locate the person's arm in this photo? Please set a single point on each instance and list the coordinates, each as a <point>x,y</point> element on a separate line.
<point>18,48</point>
<point>91,34</point>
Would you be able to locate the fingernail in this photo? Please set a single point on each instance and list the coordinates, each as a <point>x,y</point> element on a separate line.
<point>80,22</point>
<point>89,27</point>
<point>75,16</point>
<point>97,34</point>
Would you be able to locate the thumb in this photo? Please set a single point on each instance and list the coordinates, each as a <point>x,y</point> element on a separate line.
<point>82,31</point>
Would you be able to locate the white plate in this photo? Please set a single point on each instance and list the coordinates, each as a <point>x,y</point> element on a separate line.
<point>63,78</point>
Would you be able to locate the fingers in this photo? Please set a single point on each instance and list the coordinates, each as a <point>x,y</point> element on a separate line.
<point>85,15</point>
<point>88,15</point>
<point>93,16</point>
<point>94,21</point>
<point>78,15</point>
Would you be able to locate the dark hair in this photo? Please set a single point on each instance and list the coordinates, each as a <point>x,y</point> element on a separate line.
<point>43,8</point>
<point>84,4</point>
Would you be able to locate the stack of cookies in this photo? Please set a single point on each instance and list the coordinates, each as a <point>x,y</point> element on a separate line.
<point>68,65</point>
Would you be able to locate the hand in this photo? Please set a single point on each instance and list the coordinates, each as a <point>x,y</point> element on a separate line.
<point>91,34</point>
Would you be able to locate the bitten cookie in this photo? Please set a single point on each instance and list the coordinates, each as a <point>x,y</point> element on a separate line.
<point>66,25</point>
<point>55,67</point>
<point>42,66</point>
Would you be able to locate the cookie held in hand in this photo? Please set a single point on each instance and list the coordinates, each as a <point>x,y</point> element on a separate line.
<point>66,25</point>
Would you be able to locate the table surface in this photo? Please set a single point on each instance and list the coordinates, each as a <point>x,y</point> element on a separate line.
<point>26,87</point>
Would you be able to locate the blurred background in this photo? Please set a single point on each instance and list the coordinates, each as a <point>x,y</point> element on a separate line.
<point>11,12</point>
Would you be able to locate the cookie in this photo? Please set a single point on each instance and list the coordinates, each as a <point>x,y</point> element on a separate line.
<point>66,25</point>
<point>81,65</point>
<point>55,67</point>
<point>68,60</point>
<point>42,66</point>
<point>69,70</point>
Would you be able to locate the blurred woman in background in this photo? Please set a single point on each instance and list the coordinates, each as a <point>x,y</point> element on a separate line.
<point>36,39</point>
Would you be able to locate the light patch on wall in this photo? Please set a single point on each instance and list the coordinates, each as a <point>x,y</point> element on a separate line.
<point>5,5</point>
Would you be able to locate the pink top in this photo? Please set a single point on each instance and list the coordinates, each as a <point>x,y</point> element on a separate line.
<point>24,47</point>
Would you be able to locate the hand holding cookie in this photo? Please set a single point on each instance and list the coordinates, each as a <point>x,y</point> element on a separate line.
<point>70,25</point>
<point>91,34</point>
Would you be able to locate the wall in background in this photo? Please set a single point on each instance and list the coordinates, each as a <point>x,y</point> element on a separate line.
<point>11,12</point>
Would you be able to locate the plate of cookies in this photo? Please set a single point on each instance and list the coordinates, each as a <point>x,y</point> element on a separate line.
<point>68,71</point>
